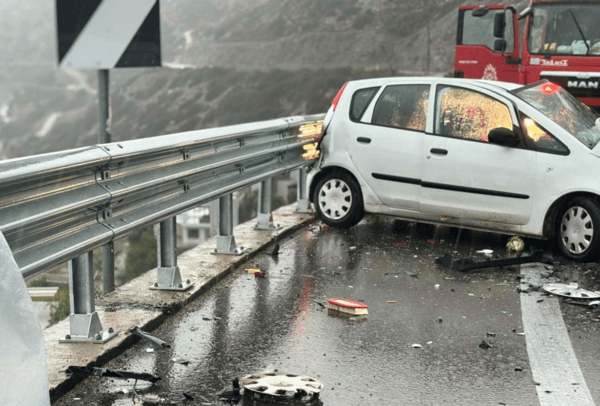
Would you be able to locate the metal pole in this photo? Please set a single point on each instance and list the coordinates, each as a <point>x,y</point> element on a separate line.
<point>265,217</point>
<point>108,268</point>
<point>84,322</point>
<point>302,204</point>
<point>81,278</point>
<point>226,240</point>
<point>108,251</point>
<point>168,275</point>
<point>104,107</point>
<point>226,215</point>
<point>168,243</point>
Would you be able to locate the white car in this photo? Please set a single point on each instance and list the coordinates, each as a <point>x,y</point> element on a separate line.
<point>466,153</point>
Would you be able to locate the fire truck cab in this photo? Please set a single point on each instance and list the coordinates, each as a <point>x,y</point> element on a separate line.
<point>560,42</point>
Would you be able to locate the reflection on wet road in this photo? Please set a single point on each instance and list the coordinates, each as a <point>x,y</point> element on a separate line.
<point>249,324</point>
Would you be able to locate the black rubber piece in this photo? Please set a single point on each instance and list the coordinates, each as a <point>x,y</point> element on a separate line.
<point>357,209</point>
<point>593,251</point>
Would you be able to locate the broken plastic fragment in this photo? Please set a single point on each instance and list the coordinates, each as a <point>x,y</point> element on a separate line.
<point>392,301</point>
<point>417,346</point>
<point>485,345</point>
<point>400,244</point>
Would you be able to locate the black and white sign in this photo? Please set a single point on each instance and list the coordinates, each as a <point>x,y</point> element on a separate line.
<point>105,34</point>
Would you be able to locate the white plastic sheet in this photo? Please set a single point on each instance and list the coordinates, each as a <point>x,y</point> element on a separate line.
<point>23,376</point>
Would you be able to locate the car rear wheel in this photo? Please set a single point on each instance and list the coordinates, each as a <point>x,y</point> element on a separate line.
<point>338,200</point>
<point>578,233</point>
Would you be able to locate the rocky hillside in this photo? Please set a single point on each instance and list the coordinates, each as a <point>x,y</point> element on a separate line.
<point>226,62</point>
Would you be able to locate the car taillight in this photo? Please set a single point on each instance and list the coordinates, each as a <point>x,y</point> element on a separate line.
<point>338,96</point>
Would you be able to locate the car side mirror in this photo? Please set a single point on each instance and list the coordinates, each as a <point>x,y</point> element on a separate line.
<point>499,24</point>
<point>500,45</point>
<point>503,136</point>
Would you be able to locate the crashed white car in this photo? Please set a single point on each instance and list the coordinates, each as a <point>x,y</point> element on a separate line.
<point>467,153</point>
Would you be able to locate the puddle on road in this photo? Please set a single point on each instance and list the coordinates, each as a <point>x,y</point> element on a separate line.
<point>247,324</point>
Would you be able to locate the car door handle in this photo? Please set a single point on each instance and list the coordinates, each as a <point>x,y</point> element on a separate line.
<point>364,140</point>
<point>438,151</point>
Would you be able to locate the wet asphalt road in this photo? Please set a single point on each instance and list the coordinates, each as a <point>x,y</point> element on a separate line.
<point>249,324</point>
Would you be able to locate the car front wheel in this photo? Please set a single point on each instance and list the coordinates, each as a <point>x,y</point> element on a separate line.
<point>578,231</point>
<point>338,200</point>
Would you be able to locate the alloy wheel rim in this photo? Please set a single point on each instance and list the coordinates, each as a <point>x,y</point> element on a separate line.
<point>576,230</point>
<point>335,199</point>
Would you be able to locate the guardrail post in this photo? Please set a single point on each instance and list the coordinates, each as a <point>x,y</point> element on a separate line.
<point>108,268</point>
<point>168,276</point>
<point>84,322</point>
<point>226,240</point>
<point>265,216</point>
<point>302,203</point>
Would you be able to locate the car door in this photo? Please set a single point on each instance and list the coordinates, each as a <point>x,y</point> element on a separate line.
<point>387,149</point>
<point>464,175</point>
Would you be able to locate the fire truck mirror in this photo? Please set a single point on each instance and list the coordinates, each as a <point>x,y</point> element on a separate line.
<point>500,45</point>
<point>499,24</point>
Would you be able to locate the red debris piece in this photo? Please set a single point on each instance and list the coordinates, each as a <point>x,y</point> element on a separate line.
<point>325,227</point>
<point>432,241</point>
<point>400,244</point>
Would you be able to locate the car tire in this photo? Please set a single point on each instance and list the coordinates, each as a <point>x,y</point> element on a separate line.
<point>338,200</point>
<point>578,230</point>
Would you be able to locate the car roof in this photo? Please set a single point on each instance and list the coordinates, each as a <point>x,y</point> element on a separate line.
<point>486,84</point>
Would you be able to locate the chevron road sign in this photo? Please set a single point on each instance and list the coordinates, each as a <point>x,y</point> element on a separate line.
<point>105,34</point>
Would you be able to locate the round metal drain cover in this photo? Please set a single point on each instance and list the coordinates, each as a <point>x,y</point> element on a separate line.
<point>280,386</point>
<point>571,290</point>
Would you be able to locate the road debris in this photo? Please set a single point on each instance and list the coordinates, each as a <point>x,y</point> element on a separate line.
<point>490,334</point>
<point>413,274</point>
<point>400,244</point>
<point>181,361</point>
<point>232,396</point>
<point>278,386</point>
<point>467,264</point>
<point>417,346</point>
<point>275,251</point>
<point>138,332</point>
<point>570,290</point>
<point>347,306</point>
<point>189,396</point>
<point>485,345</point>
<point>112,373</point>
<point>486,252</point>
<point>392,301</point>
<point>515,243</point>
<point>436,286</point>
<point>151,399</point>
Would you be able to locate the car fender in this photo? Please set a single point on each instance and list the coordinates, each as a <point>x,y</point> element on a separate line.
<point>370,199</point>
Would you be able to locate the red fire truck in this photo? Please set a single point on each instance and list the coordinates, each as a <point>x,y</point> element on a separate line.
<point>561,43</point>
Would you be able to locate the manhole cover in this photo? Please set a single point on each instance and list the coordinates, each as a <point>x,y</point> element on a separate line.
<point>280,386</point>
<point>571,290</point>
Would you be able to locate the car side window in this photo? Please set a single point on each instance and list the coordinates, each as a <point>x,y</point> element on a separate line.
<point>360,101</point>
<point>402,106</point>
<point>464,113</point>
<point>539,139</point>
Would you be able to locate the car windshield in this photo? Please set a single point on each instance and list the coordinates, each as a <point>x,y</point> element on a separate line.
<point>565,110</point>
<point>562,29</point>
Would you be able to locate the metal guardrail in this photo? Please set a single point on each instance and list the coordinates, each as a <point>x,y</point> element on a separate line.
<point>60,206</point>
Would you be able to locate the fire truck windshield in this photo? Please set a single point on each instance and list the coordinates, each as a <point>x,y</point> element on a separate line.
<point>565,110</point>
<point>565,29</point>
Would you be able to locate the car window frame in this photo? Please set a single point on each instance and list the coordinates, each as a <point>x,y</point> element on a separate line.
<point>368,115</point>
<point>512,108</point>
<point>531,145</point>
<point>366,107</point>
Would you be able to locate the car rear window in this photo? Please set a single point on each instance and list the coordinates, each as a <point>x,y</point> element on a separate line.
<point>402,106</point>
<point>360,102</point>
